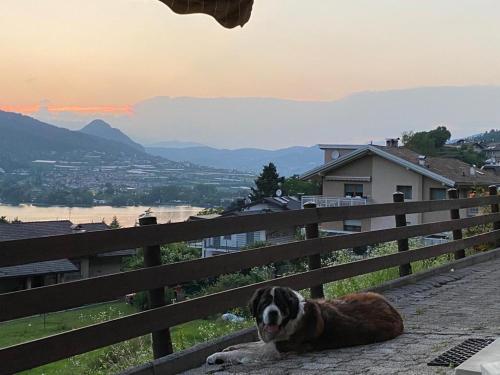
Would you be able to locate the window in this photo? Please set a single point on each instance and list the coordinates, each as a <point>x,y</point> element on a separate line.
<point>438,194</point>
<point>406,190</point>
<point>353,190</point>
<point>228,237</point>
<point>352,225</point>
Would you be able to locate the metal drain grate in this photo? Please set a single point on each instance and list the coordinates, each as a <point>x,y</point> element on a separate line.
<point>460,353</point>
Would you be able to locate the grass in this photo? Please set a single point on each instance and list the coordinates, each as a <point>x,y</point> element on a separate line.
<point>357,283</point>
<point>114,358</point>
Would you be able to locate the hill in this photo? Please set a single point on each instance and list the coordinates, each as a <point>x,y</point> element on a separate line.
<point>24,139</point>
<point>289,161</point>
<point>100,128</point>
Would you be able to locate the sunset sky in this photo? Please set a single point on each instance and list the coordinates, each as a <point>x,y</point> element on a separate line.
<point>109,54</point>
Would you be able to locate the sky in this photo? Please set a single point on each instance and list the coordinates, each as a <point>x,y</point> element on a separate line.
<point>95,56</point>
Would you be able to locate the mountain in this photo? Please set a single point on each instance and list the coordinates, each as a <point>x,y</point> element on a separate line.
<point>100,128</point>
<point>289,161</point>
<point>175,144</point>
<point>24,139</point>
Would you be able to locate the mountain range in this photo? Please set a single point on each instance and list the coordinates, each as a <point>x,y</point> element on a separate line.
<point>24,139</point>
<point>289,161</point>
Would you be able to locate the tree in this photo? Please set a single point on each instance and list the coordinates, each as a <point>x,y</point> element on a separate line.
<point>211,211</point>
<point>115,224</point>
<point>294,186</point>
<point>427,142</point>
<point>267,183</point>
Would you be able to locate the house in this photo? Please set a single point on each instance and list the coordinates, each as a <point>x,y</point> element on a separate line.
<point>492,152</point>
<point>57,271</point>
<point>371,174</point>
<point>477,147</point>
<point>236,242</point>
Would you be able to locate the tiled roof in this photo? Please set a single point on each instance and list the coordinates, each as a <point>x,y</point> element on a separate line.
<point>18,231</point>
<point>448,171</point>
<point>38,268</point>
<point>451,168</point>
<point>275,204</point>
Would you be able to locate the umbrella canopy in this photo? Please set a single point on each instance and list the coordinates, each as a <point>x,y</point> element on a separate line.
<point>229,13</point>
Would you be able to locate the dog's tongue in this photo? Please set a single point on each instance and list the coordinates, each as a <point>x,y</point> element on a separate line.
<point>272,328</point>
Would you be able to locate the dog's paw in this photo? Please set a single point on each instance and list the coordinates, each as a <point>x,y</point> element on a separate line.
<point>216,359</point>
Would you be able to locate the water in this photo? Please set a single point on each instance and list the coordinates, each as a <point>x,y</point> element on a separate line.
<point>127,216</point>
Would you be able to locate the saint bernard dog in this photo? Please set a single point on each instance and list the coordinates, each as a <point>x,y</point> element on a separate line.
<point>287,322</point>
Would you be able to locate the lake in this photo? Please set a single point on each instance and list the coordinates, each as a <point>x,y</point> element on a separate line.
<point>127,216</point>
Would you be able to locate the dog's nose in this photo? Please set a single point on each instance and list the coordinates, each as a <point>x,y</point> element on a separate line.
<point>273,317</point>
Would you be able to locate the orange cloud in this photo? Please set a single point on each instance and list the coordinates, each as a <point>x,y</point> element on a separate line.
<point>125,109</point>
<point>20,108</point>
<point>29,109</point>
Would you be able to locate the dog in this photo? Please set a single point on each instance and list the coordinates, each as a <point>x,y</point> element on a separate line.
<point>287,322</point>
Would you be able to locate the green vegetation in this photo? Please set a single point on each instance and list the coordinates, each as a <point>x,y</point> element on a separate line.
<point>490,136</point>
<point>112,359</point>
<point>267,183</point>
<point>294,186</point>
<point>431,143</point>
<point>427,142</point>
<point>358,283</point>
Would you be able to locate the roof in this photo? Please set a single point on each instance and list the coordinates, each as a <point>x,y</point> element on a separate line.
<point>38,268</point>
<point>33,229</point>
<point>229,13</point>
<point>203,217</point>
<point>339,147</point>
<point>448,171</point>
<point>275,204</point>
<point>17,231</point>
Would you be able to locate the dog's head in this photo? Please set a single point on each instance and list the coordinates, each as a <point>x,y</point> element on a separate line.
<point>276,311</point>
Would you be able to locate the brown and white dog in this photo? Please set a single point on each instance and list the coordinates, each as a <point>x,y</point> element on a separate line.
<point>289,323</point>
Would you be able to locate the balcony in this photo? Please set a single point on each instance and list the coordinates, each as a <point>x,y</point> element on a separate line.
<point>325,201</point>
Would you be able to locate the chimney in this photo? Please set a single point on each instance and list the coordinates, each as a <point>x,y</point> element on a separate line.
<point>421,160</point>
<point>473,171</point>
<point>392,142</point>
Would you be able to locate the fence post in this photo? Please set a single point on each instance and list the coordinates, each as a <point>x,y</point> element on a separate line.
<point>404,269</point>
<point>312,231</point>
<point>454,215</point>
<point>162,343</point>
<point>493,190</point>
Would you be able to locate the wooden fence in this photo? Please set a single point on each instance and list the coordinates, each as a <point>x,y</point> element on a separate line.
<point>155,276</point>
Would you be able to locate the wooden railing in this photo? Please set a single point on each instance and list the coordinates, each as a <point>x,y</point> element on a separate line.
<point>156,320</point>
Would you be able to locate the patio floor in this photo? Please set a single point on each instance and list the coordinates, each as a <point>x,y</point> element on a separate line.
<point>439,312</point>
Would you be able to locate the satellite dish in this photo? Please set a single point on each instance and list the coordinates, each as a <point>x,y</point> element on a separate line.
<point>335,154</point>
<point>279,193</point>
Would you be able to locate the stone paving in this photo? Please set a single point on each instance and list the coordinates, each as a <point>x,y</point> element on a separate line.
<point>439,313</point>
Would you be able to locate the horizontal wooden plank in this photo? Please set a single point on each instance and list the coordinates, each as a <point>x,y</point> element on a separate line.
<point>105,288</point>
<point>38,352</point>
<point>89,243</point>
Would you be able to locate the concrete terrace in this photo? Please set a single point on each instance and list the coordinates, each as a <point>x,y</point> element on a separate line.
<point>440,311</point>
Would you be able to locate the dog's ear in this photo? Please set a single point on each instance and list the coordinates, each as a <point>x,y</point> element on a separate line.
<point>254,301</point>
<point>293,302</point>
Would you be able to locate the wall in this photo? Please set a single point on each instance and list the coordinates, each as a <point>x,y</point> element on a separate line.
<point>358,168</point>
<point>386,177</point>
<point>342,152</point>
<point>428,217</point>
<point>104,265</point>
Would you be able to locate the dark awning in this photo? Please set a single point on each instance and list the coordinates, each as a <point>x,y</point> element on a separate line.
<point>229,13</point>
